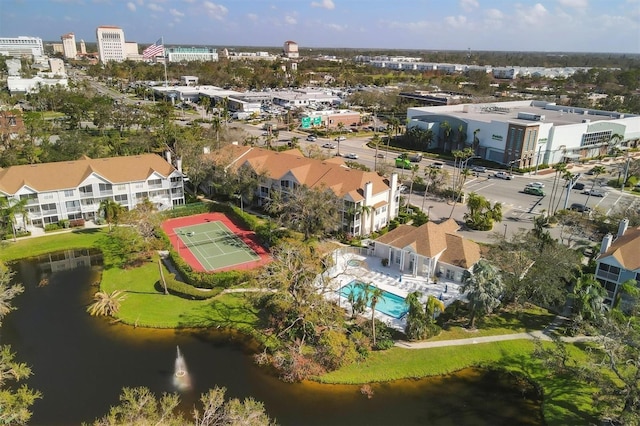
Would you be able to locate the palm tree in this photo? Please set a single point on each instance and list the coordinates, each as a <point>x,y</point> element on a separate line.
<point>597,171</point>
<point>416,325</point>
<point>589,297</point>
<point>110,210</point>
<point>568,178</point>
<point>10,208</point>
<point>483,289</point>
<point>106,304</point>
<point>375,296</point>
<point>559,168</point>
<point>414,170</point>
<point>446,131</point>
<point>376,142</point>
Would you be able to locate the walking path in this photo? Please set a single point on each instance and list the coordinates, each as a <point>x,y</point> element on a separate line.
<point>545,334</point>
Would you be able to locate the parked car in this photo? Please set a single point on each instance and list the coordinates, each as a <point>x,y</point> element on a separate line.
<point>478,169</point>
<point>437,165</point>
<point>340,139</point>
<point>329,146</point>
<point>535,185</point>
<point>503,175</point>
<point>579,208</point>
<point>312,138</point>
<point>352,156</point>
<point>594,192</point>
<point>533,190</point>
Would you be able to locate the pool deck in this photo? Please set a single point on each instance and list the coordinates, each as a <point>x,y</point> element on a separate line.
<point>371,271</point>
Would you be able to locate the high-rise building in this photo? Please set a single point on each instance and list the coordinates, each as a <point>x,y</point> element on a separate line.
<point>69,49</point>
<point>83,47</point>
<point>291,49</point>
<point>189,54</point>
<point>111,44</point>
<point>21,46</point>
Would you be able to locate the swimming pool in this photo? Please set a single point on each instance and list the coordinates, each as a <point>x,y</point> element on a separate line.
<point>389,304</point>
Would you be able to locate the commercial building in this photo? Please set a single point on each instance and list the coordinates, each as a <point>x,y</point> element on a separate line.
<point>24,86</point>
<point>22,46</point>
<point>111,44</point>
<point>69,49</point>
<point>11,124</point>
<point>370,201</point>
<point>74,189</point>
<point>191,54</point>
<point>525,133</point>
<point>619,259</point>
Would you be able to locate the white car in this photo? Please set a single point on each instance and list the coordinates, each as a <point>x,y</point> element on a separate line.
<point>340,139</point>
<point>503,175</point>
<point>329,145</point>
<point>352,156</point>
<point>536,185</point>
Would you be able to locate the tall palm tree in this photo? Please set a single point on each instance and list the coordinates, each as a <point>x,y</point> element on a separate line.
<point>416,323</point>
<point>558,168</point>
<point>414,169</point>
<point>10,209</point>
<point>483,288</point>
<point>568,178</point>
<point>106,304</point>
<point>110,210</point>
<point>376,142</point>
<point>589,299</point>
<point>446,131</point>
<point>375,296</point>
<point>432,307</point>
<point>597,171</point>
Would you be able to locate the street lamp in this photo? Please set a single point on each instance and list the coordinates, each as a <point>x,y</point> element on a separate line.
<point>505,231</point>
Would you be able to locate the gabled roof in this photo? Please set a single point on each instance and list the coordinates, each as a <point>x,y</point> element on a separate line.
<point>333,173</point>
<point>432,239</point>
<point>626,249</point>
<point>70,174</point>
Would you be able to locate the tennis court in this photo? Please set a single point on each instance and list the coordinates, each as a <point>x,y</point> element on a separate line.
<point>215,246</point>
<point>212,242</point>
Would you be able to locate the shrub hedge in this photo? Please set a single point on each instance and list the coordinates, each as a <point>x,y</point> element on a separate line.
<point>184,290</point>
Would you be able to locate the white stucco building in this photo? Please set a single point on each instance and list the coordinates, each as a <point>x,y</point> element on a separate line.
<point>69,49</point>
<point>21,46</point>
<point>526,133</point>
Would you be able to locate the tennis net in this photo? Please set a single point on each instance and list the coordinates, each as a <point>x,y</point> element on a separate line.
<point>226,238</point>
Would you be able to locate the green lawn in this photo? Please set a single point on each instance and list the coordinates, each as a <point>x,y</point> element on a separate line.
<point>146,305</point>
<point>29,247</point>
<point>566,400</point>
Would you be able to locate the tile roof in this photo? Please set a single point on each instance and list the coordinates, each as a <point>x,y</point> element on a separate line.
<point>332,173</point>
<point>70,174</point>
<point>432,239</point>
<point>626,249</point>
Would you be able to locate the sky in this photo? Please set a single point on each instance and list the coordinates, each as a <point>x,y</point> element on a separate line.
<point>502,25</point>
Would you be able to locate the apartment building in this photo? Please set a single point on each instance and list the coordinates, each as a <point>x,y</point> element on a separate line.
<point>111,44</point>
<point>370,201</point>
<point>74,189</point>
<point>619,259</point>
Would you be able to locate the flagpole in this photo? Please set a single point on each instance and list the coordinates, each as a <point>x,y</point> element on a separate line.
<point>164,60</point>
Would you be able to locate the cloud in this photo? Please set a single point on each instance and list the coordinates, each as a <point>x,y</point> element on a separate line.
<point>469,5</point>
<point>290,20</point>
<point>176,13</point>
<point>216,11</point>
<point>336,27</point>
<point>494,14</point>
<point>532,15</point>
<point>131,6</point>
<point>575,4</point>
<point>325,4</point>
<point>155,7</point>
<point>456,21</point>
<point>252,17</point>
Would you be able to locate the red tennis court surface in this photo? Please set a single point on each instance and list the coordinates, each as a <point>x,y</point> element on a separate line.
<point>248,237</point>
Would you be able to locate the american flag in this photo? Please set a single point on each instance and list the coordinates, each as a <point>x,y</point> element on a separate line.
<point>156,49</point>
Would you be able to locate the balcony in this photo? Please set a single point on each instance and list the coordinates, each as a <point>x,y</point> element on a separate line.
<point>86,194</point>
<point>106,192</point>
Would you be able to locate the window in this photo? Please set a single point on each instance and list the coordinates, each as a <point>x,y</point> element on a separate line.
<point>608,272</point>
<point>121,188</point>
<point>68,192</point>
<point>176,179</point>
<point>122,198</point>
<point>105,187</point>
<point>284,184</point>
<point>48,196</point>
<point>153,183</point>
<point>138,186</point>
<point>48,208</point>
<point>88,189</point>
<point>72,205</point>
